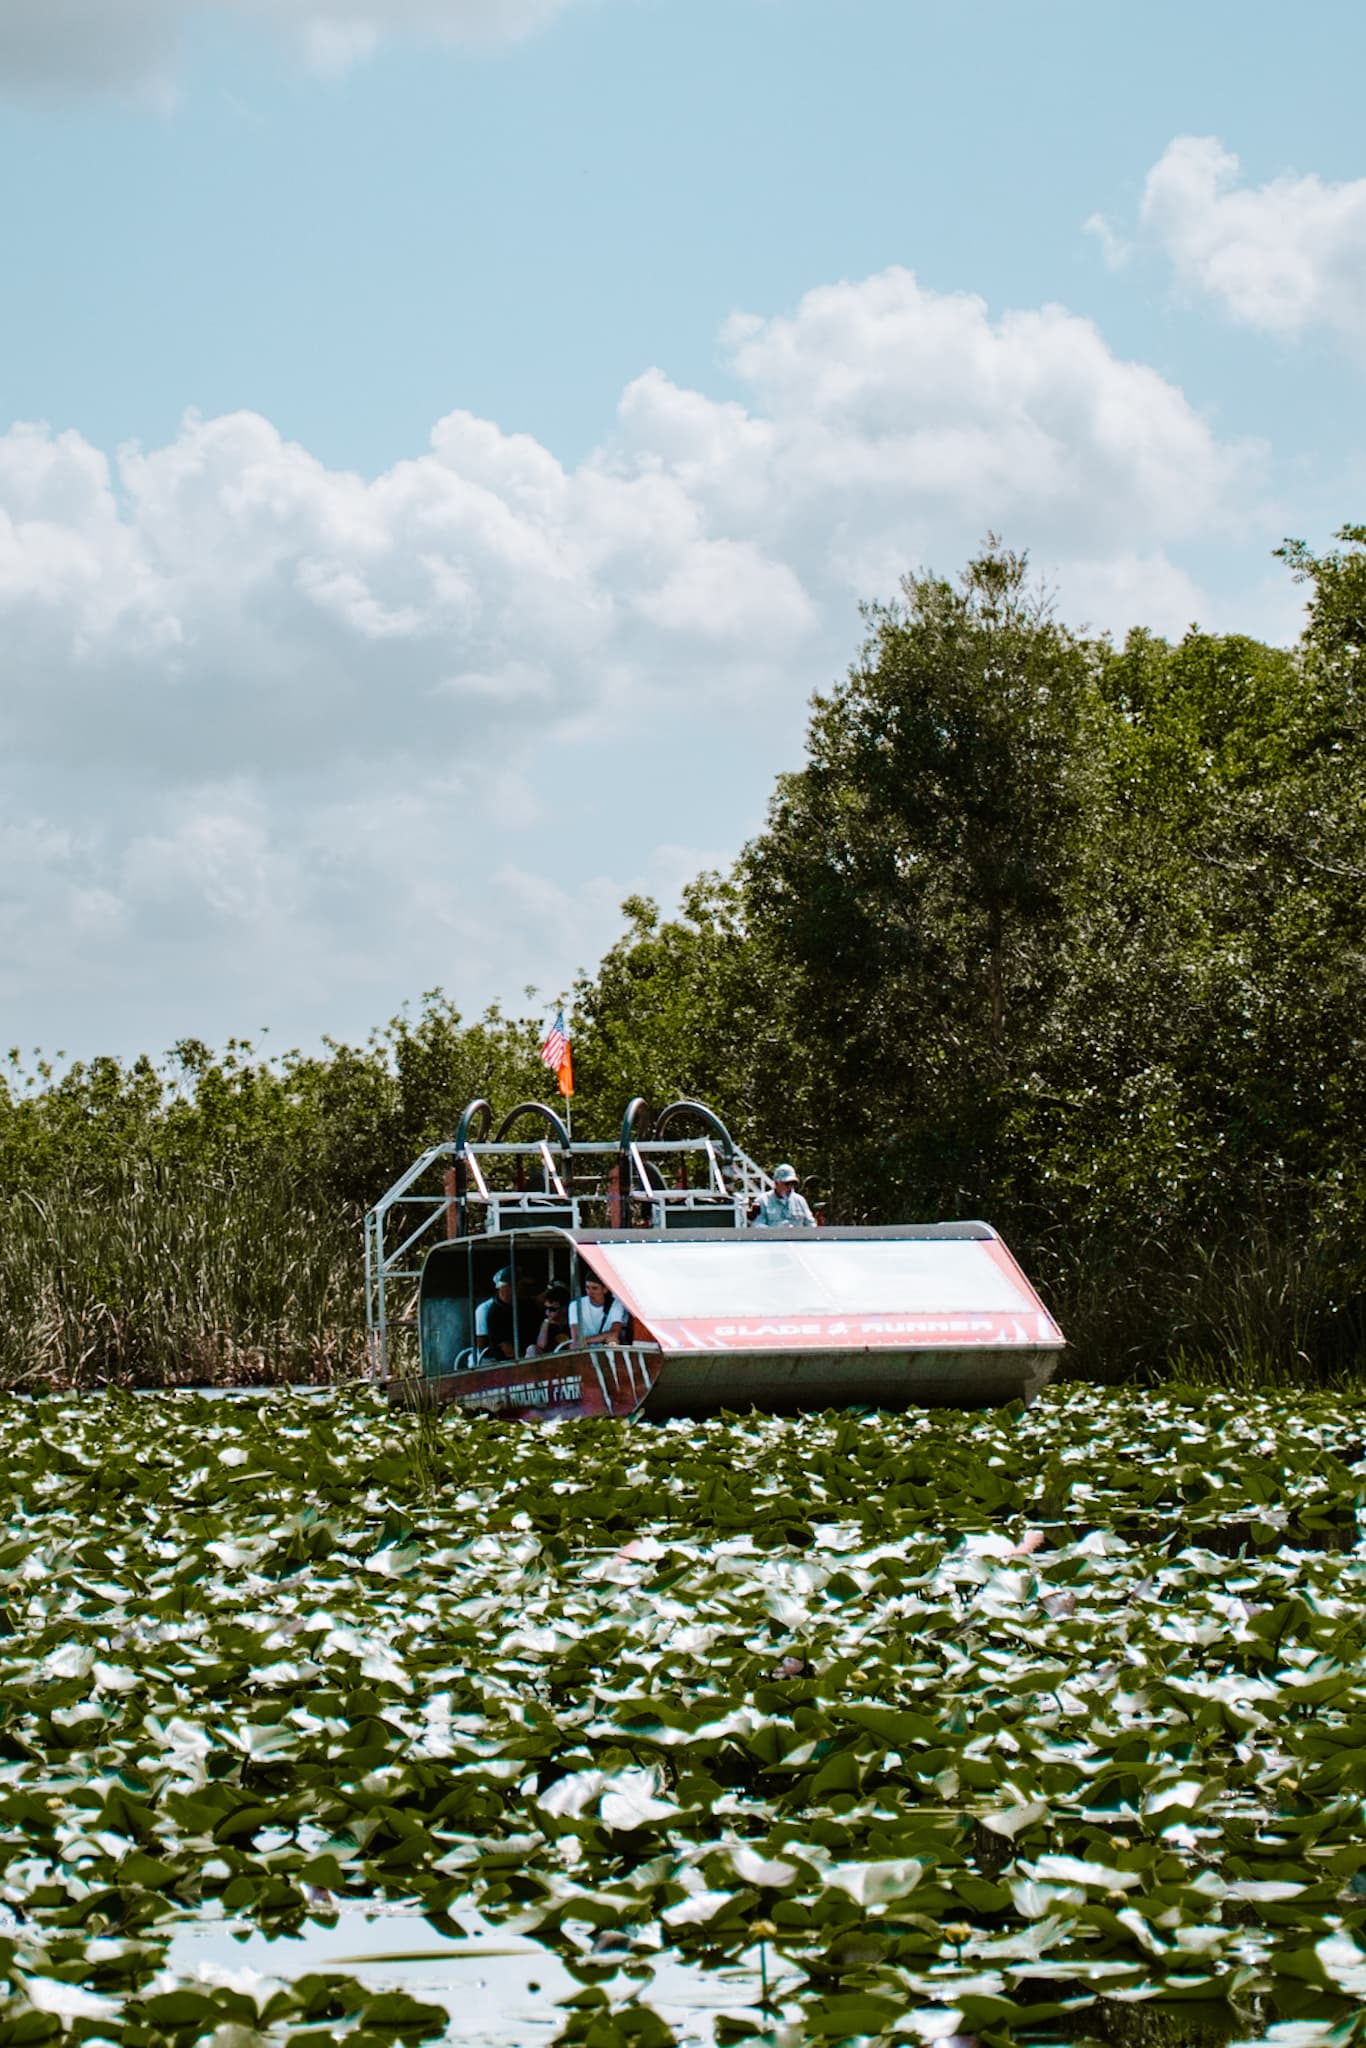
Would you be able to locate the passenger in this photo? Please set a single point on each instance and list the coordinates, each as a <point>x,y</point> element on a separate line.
<point>530,1303</point>
<point>495,1322</point>
<point>596,1318</point>
<point>554,1332</point>
<point>784,1206</point>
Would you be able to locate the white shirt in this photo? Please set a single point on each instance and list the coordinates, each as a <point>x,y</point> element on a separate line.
<point>588,1319</point>
<point>777,1209</point>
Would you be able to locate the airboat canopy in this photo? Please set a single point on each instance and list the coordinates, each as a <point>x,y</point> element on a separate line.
<point>935,1287</point>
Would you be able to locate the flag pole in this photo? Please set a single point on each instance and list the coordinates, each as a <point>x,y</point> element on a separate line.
<point>569,1093</point>
<point>558,1055</point>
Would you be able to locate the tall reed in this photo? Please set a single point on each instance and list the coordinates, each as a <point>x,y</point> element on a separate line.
<point>156,1274</point>
<point>1262,1300</point>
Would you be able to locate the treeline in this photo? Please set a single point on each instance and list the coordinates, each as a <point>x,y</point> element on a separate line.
<point>1061,933</point>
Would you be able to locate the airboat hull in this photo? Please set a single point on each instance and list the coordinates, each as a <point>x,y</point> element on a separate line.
<point>791,1382</point>
<point>638,1380</point>
<point>607,1380</point>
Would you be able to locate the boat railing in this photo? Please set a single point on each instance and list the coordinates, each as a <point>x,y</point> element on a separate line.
<point>488,1187</point>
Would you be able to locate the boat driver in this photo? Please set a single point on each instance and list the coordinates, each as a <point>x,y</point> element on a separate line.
<point>786,1205</point>
<point>495,1320</point>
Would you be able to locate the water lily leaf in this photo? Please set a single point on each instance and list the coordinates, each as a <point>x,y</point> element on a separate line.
<point>1335,1961</point>
<point>1013,1820</point>
<point>68,2001</point>
<point>849,2015</point>
<point>839,1773</point>
<point>764,1872</point>
<point>1264,1891</point>
<point>573,1794</point>
<point>875,1883</point>
<point>1076,1870</point>
<point>1052,1902</point>
<point>397,2012</point>
<point>897,1725</point>
<point>24,2029</point>
<point>184,2007</point>
<point>978,2011</point>
<point>698,1909</point>
<point>1185,1792</point>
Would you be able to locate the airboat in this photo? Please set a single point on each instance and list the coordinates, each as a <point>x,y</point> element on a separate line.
<point>714,1313</point>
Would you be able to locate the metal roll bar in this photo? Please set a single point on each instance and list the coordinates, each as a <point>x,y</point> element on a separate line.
<point>686,1107</point>
<point>637,1114</point>
<point>412,1211</point>
<point>481,1112</point>
<point>559,1131</point>
<point>478,1108</point>
<point>541,1109</point>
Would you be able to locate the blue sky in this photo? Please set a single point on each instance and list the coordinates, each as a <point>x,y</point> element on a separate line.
<point>303,712</point>
<point>521,230</point>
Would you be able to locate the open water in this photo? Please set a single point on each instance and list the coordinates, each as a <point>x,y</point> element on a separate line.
<point>501,1990</point>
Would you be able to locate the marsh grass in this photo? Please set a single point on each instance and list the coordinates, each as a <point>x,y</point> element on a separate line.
<point>1255,1302</point>
<point>1262,1297</point>
<point>160,1276</point>
<point>1202,1372</point>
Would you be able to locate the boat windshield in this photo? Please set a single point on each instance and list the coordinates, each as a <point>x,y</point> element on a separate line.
<point>816,1289</point>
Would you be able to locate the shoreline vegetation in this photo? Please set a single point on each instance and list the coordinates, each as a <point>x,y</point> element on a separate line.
<point>1063,933</point>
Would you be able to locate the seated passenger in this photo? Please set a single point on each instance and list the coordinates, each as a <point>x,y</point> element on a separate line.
<point>555,1329</point>
<point>596,1318</point>
<point>784,1206</point>
<point>495,1320</point>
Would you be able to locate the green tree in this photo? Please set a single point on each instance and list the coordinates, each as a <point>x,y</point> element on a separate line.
<point>1190,1138</point>
<point>920,876</point>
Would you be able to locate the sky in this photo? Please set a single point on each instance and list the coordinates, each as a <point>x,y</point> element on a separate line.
<point>443,444</point>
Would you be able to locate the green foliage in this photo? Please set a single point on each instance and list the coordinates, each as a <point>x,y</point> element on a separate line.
<point>202,1221</point>
<point>690,1006</point>
<point>1002,1720</point>
<point>919,875</point>
<point>1070,936</point>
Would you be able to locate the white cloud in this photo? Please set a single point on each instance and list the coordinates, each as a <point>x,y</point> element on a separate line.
<point>1113,247</point>
<point>889,424</point>
<point>280,741</point>
<point>1285,256</point>
<point>133,45</point>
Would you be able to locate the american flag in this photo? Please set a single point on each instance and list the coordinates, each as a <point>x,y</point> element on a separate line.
<point>556,1054</point>
<point>556,1044</point>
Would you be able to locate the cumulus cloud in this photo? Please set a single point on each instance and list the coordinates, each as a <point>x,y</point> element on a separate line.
<point>282,739</point>
<point>133,45</point>
<point>1285,256</point>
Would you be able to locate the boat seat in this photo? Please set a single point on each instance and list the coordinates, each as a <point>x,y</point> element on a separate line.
<point>721,1216</point>
<point>515,1215</point>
